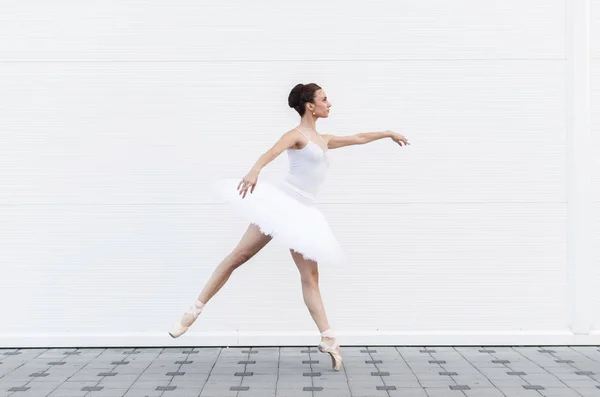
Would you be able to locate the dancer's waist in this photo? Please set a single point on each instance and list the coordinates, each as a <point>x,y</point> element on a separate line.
<point>290,184</point>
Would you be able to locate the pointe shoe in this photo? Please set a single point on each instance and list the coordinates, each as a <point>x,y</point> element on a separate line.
<point>186,321</point>
<point>333,349</point>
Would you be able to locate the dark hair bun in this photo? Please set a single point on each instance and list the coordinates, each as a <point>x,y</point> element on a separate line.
<point>295,95</point>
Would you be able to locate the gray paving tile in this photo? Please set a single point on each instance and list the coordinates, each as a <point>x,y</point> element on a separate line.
<point>7,384</point>
<point>70,385</point>
<point>92,388</point>
<point>143,393</point>
<point>560,370</point>
<point>293,393</point>
<point>66,393</point>
<point>28,393</point>
<point>166,388</point>
<point>214,393</point>
<point>148,385</point>
<point>193,392</point>
<point>312,388</point>
<point>418,392</point>
<point>19,388</point>
<point>585,383</point>
<point>39,374</point>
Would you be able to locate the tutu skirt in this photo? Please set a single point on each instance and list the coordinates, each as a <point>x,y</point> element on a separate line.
<point>287,214</point>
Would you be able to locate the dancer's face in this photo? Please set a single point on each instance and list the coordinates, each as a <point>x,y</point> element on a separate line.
<point>321,104</point>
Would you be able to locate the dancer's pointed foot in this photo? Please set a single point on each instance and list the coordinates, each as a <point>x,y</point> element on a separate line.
<point>329,345</point>
<point>186,321</point>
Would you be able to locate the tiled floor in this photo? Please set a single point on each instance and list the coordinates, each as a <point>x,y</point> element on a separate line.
<point>302,371</point>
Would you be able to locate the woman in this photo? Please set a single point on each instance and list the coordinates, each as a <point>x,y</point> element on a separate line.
<point>286,211</point>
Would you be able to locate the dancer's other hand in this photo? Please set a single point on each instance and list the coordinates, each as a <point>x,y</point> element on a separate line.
<point>398,138</point>
<point>247,182</point>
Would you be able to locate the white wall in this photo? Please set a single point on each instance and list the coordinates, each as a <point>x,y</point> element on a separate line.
<point>595,152</point>
<point>116,117</point>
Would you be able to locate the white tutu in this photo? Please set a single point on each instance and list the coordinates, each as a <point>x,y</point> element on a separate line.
<point>287,214</point>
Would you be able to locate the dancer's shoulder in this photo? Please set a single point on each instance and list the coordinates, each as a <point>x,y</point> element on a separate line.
<point>289,139</point>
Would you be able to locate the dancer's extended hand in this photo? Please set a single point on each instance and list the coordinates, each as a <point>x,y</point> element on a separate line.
<point>398,138</point>
<point>247,182</point>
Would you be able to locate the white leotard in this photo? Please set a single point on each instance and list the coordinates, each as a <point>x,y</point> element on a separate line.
<point>288,210</point>
<point>307,168</point>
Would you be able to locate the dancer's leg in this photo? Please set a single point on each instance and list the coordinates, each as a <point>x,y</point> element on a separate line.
<point>309,277</point>
<point>252,241</point>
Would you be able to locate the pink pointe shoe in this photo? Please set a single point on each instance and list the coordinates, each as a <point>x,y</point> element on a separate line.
<point>186,321</point>
<point>332,348</point>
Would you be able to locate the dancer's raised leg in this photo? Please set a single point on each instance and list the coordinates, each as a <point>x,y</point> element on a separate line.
<point>250,244</point>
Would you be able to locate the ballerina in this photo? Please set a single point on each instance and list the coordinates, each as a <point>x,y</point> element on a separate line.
<point>286,211</point>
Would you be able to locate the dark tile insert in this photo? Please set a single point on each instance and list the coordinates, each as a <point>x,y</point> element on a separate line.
<point>500,361</point>
<point>546,351</point>
<point>427,351</point>
<point>386,387</point>
<point>584,373</point>
<point>310,362</point>
<point>120,362</point>
<point>107,373</point>
<point>244,374</point>
<point>368,351</point>
<point>175,373</point>
<point>92,388</point>
<point>533,387</point>
<point>311,374</point>
<point>20,388</point>
<point>380,374</point>
<point>448,373</point>
<point>246,362</point>
<point>516,373</point>
<point>165,388</point>
<point>57,363</point>
<point>373,362</point>
<point>11,353</point>
<point>250,351</point>
<point>564,361</point>
<point>309,351</point>
<point>39,374</point>
<point>487,351</point>
<point>460,387</point>
<point>312,388</point>
<point>437,362</point>
<point>184,362</point>
<point>239,388</point>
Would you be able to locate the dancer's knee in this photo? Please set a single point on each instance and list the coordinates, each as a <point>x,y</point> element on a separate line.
<point>238,258</point>
<point>310,278</point>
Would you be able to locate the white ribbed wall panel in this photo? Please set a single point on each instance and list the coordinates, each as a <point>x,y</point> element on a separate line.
<point>272,30</point>
<point>116,118</point>
<point>161,133</point>
<point>595,134</point>
<point>595,29</point>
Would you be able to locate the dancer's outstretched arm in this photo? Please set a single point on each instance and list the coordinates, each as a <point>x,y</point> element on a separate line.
<point>338,141</point>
